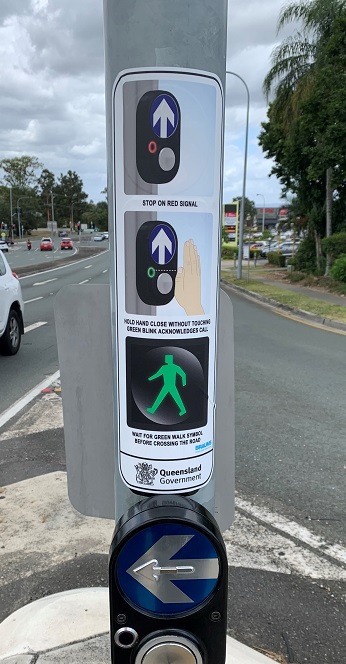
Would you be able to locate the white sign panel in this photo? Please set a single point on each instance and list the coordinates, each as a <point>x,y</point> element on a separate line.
<point>167,161</point>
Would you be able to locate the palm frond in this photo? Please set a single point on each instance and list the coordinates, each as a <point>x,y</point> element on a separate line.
<point>293,12</point>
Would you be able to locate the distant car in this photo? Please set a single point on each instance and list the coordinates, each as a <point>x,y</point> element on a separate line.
<point>285,248</point>
<point>46,244</point>
<point>257,246</point>
<point>66,243</point>
<point>4,245</point>
<point>62,234</point>
<point>11,310</point>
<point>106,235</point>
<point>98,238</point>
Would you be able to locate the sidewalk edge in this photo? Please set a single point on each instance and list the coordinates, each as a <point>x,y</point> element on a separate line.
<point>320,320</point>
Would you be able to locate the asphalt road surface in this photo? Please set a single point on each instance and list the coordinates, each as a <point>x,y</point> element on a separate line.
<point>287,549</point>
<point>38,355</point>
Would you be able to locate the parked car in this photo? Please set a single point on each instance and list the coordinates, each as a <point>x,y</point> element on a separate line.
<point>257,246</point>
<point>66,243</point>
<point>11,310</point>
<point>98,238</point>
<point>287,248</point>
<point>4,245</point>
<point>106,235</point>
<point>46,244</point>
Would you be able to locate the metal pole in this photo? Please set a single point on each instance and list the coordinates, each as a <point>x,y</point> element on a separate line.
<point>11,212</point>
<point>52,204</point>
<point>263,210</point>
<point>18,217</point>
<point>242,209</point>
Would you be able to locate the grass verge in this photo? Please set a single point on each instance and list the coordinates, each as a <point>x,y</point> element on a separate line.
<point>290,298</point>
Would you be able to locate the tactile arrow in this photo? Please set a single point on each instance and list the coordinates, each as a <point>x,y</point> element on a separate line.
<point>162,242</point>
<point>155,570</point>
<point>163,114</point>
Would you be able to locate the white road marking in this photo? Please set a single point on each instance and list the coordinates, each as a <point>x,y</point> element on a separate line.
<point>41,283</point>
<point>34,326</point>
<point>293,529</point>
<point>104,271</point>
<point>63,267</point>
<point>29,396</point>
<point>34,299</point>
<point>83,282</point>
<point>45,414</point>
<point>38,510</point>
<point>87,267</point>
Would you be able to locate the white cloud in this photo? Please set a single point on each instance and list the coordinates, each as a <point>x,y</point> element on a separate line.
<point>52,88</point>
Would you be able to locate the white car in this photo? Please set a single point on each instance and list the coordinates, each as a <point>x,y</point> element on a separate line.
<point>3,245</point>
<point>11,310</point>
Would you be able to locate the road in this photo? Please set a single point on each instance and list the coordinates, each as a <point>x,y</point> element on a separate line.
<point>286,551</point>
<point>38,356</point>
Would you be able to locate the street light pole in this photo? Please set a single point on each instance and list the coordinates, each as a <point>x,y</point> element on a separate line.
<point>52,206</point>
<point>242,210</point>
<point>263,210</point>
<point>18,214</point>
<point>11,213</point>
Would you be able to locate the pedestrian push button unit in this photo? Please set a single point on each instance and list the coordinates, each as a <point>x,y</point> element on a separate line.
<point>158,137</point>
<point>156,262</point>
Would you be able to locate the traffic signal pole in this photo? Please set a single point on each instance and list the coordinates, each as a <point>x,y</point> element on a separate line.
<point>165,79</point>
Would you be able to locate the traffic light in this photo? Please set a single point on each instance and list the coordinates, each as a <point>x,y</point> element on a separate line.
<point>2,226</point>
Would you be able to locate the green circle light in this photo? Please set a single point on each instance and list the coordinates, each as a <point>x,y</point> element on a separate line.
<point>151,272</point>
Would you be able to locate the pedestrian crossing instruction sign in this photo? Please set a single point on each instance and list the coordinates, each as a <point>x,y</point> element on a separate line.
<point>167,162</point>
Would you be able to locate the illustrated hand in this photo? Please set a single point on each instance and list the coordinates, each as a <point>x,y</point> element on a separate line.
<point>188,281</point>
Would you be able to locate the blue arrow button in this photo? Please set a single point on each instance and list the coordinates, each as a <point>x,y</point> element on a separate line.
<point>168,568</point>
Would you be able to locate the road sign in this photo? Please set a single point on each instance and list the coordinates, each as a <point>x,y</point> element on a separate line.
<point>164,115</point>
<point>168,568</point>
<point>162,244</point>
<point>167,151</point>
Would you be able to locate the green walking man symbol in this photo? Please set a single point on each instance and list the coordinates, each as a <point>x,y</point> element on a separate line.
<point>169,373</point>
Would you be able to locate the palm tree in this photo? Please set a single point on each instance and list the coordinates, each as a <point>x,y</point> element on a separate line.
<point>295,63</point>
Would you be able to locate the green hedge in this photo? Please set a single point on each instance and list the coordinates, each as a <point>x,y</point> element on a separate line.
<point>335,245</point>
<point>338,271</point>
<point>228,252</point>
<point>275,258</point>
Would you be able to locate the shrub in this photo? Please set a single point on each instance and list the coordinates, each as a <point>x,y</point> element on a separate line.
<point>294,277</point>
<point>275,258</point>
<point>338,271</point>
<point>228,252</point>
<point>305,257</point>
<point>335,245</point>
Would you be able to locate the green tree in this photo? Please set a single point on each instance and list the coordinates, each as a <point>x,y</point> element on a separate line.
<point>96,215</point>
<point>46,184</point>
<point>69,198</point>
<point>250,209</point>
<point>20,172</point>
<point>296,69</point>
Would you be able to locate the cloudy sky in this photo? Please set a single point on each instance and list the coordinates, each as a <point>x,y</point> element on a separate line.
<point>52,89</point>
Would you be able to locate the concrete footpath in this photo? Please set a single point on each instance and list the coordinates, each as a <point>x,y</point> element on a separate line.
<point>73,627</point>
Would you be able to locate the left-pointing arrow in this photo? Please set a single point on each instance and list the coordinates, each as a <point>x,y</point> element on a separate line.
<point>155,570</point>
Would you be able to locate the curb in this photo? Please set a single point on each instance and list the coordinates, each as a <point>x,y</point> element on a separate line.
<point>300,313</point>
<point>69,622</point>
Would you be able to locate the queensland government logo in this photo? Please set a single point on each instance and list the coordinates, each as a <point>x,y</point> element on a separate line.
<point>145,473</point>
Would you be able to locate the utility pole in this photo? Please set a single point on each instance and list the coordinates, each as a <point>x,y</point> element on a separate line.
<point>165,124</point>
